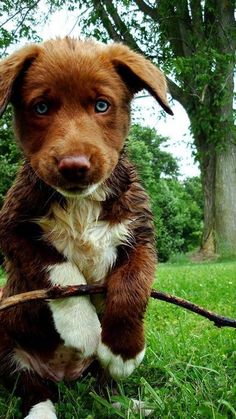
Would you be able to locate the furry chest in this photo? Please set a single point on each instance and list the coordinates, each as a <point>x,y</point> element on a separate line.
<point>77,233</point>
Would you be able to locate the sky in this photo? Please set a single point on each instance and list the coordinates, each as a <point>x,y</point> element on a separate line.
<point>176,127</point>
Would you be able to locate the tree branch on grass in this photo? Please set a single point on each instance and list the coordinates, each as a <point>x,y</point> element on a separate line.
<point>57,292</point>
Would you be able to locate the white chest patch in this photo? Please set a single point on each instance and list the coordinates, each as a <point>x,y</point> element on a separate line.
<point>86,241</point>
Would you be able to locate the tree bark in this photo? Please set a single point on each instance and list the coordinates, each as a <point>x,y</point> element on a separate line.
<point>218,172</point>
<point>225,201</point>
<point>215,141</point>
<point>208,170</point>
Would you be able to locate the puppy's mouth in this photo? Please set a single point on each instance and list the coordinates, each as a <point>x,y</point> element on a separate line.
<point>74,176</point>
<point>78,191</point>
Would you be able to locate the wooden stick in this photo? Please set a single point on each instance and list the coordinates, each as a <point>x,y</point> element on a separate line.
<point>220,321</point>
<point>52,293</point>
<point>57,292</point>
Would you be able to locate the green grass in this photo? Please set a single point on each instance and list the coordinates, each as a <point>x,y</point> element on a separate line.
<point>189,368</point>
<point>2,279</point>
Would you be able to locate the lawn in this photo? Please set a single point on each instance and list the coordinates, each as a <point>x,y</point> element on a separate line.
<point>189,368</point>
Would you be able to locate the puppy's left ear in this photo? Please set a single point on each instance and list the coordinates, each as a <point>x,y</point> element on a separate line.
<point>139,73</point>
<point>10,68</point>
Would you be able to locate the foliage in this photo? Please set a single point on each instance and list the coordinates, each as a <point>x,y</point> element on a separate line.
<point>162,163</point>
<point>9,154</point>
<point>18,23</point>
<point>18,19</point>
<point>189,368</point>
<point>176,205</point>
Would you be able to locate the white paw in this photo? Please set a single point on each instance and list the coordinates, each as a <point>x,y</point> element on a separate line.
<point>42,410</point>
<point>118,368</point>
<point>77,322</point>
<point>85,334</point>
<point>75,318</point>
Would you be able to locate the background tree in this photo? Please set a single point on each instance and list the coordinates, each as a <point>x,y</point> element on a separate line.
<point>176,205</point>
<point>18,20</point>
<point>194,42</point>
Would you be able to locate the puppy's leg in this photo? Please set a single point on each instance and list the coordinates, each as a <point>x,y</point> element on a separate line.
<point>37,394</point>
<point>75,318</point>
<point>122,346</point>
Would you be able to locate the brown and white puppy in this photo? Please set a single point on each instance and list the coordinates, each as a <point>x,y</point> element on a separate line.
<point>76,214</point>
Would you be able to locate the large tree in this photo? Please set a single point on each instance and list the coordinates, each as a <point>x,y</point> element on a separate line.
<point>193,41</point>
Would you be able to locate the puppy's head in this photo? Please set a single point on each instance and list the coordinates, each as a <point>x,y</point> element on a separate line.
<point>71,101</point>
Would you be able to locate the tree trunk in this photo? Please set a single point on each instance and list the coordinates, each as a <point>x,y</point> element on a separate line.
<point>219,190</point>
<point>225,202</point>
<point>218,171</point>
<point>208,174</point>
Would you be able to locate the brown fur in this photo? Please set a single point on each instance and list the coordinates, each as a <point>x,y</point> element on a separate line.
<point>70,75</point>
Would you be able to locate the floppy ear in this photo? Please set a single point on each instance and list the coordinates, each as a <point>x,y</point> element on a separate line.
<point>10,69</point>
<point>139,73</point>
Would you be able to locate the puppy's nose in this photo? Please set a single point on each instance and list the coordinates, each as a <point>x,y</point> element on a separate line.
<point>74,167</point>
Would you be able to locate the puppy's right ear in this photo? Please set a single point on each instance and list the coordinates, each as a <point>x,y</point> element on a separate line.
<point>139,73</point>
<point>10,69</point>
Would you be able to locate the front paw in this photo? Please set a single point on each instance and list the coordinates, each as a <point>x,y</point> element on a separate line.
<point>42,410</point>
<point>116,365</point>
<point>77,323</point>
<point>86,336</point>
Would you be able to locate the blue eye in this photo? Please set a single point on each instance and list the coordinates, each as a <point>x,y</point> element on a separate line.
<point>101,106</point>
<point>41,108</point>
